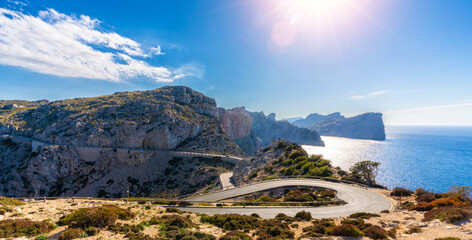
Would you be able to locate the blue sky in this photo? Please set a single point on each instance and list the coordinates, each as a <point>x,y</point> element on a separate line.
<point>411,60</point>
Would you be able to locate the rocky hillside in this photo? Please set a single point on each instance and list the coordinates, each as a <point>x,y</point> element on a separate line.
<point>102,172</point>
<point>254,130</point>
<point>167,118</point>
<point>283,158</point>
<point>364,126</point>
<point>98,146</point>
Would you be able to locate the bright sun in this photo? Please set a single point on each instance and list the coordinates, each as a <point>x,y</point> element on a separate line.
<point>321,20</point>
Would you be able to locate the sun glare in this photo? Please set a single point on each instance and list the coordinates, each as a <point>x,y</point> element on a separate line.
<point>320,21</point>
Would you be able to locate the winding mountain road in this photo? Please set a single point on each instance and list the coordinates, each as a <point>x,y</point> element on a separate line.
<point>358,200</point>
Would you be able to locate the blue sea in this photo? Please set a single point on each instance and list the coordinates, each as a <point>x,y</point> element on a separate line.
<point>433,157</point>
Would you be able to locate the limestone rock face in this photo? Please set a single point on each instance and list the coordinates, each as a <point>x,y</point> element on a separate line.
<point>253,130</point>
<point>364,126</point>
<point>101,172</point>
<point>166,118</point>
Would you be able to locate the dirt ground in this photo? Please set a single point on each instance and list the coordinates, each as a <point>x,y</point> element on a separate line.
<point>401,220</point>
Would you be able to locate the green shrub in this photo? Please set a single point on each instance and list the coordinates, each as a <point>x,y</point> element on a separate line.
<point>92,231</point>
<point>23,227</point>
<point>123,214</point>
<point>172,221</point>
<point>4,209</point>
<point>124,228</point>
<point>235,235</point>
<point>450,214</point>
<point>346,230</point>
<point>403,192</point>
<point>296,154</point>
<point>41,237</point>
<point>10,202</point>
<point>363,215</point>
<point>188,235</point>
<point>303,216</point>
<point>426,197</point>
<point>253,175</point>
<point>173,210</point>
<point>231,221</point>
<point>375,232</point>
<point>90,217</point>
<point>71,233</point>
<point>274,230</point>
<point>280,145</point>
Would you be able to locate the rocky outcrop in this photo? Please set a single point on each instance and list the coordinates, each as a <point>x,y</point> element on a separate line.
<point>102,172</point>
<point>97,146</point>
<point>364,126</point>
<point>253,130</point>
<point>167,118</point>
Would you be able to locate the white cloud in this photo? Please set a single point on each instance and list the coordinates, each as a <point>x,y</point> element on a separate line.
<point>62,45</point>
<point>370,95</point>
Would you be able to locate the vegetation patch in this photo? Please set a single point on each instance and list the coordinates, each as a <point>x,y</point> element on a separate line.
<point>71,233</point>
<point>235,235</point>
<point>22,227</point>
<point>10,202</point>
<point>99,217</point>
<point>449,214</point>
<point>363,215</point>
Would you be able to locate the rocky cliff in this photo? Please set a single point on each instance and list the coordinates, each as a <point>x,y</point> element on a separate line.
<point>98,146</point>
<point>364,126</point>
<point>253,130</point>
<point>167,118</point>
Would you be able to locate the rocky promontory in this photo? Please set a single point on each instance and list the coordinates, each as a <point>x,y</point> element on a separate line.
<point>254,130</point>
<point>363,126</point>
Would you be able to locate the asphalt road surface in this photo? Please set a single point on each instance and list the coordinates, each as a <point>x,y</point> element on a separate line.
<point>358,200</point>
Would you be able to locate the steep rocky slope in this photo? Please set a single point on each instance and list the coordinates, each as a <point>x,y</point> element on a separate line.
<point>98,146</point>
<point>253,130</point>
<point>166,118</point>
<point>364,126</point>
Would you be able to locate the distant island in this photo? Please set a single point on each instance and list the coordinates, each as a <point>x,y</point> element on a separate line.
<point>363,126</point>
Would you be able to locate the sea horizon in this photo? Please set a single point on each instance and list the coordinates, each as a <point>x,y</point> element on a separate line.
<point>431,157</point>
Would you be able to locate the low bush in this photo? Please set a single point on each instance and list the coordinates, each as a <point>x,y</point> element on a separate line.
<point>448,201</point>
<point>414,229</point>
<point>123,214</point>
<point>235,235</point>
<point>426,197</point>
<point>274,230</point>
<point>90,217</point>
<point>173,210</point>
<point>450,214</point>
<point>188,235</point>
<point>139,236</point>
<point>123,228</point>
<point>71,233</point>
<point>401,192</point>
<point>422,206</point>
<point>22,227</point>
<point>346,230</point>
<point>173,221</point>
<point>231,221</point>
<point>303,216</point>
<point>420,191</point>
<point>4,209</point>
<point>363,215</point>
<point>375,232</point>
<point>10,202</point>
<point>92,231</point>
<point>356,222</point>
<point>41,237</point>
